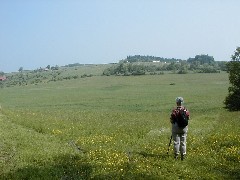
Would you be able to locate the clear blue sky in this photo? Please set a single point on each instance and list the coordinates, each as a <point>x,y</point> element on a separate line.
<point>37,33</point>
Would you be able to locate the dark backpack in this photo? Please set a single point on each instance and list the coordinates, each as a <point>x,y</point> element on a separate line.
<point>180,116</point>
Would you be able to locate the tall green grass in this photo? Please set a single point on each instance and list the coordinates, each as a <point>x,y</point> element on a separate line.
<point>117,128</point>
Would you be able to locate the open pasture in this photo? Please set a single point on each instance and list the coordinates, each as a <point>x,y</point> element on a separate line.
<point>117,128</point>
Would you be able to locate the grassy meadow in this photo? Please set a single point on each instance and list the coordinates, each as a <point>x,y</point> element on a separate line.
<point>117,127</point>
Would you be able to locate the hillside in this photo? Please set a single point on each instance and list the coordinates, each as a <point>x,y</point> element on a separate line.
<point>46,75</point>
<point>117,127</point>
<point>132,65</point>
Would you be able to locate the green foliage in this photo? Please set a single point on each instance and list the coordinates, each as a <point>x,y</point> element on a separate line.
<point>51,74</point>
<point>125,69</point>
<point>139,65</point>
<point>20,69</point>
<point>232,101</point>
<point>202,59</point>
<point>236,55</point>
<point>74,65</point>
<point>132,65</point>
<point>206,64</point>
<point>2,73</point>
<point>208,69</point>
<point>139,58</point>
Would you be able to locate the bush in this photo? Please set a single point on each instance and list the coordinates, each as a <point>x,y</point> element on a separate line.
<point>138,72</point>
<point>209,70</point>
<point>183,71</point>
<point>232,101</point>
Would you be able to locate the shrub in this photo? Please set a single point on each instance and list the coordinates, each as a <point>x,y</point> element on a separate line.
<point>232,101</point>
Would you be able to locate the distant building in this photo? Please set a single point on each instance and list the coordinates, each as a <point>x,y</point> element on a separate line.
<point>3,78</point>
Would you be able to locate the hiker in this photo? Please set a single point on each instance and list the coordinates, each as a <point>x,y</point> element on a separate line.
<point>179,119</point>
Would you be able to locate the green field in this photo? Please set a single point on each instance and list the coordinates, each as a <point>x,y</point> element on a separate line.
<point>117,127</point>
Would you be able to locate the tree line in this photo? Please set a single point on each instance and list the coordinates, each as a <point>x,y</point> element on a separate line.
<point>139,58</point>
<point>38,76</point>
<point>140,65</point>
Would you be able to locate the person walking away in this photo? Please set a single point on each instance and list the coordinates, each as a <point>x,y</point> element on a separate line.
<point>179,119</point>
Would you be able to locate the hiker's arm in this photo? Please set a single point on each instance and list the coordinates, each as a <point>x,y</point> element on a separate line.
<point>171,120</point>
<point>188,114</point>
<point>171,117</point>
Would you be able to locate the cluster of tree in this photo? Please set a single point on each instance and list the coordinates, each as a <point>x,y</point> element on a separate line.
<point>73,65</point>
<point>202,59</point>
<point>30,77</point>
<point>47,68</point>
<point>232,101</point>
<point>38,76</point>
<point>139,58</point>
<point>147,64</point>
<point>125,69</point>
<point>77,65</point>
<point>206,64</point>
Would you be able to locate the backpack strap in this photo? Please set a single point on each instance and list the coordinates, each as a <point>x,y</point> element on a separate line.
<point>187,112</point>
<point>174,114</point>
